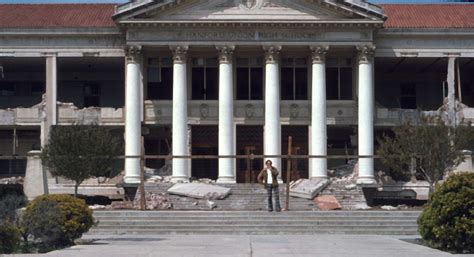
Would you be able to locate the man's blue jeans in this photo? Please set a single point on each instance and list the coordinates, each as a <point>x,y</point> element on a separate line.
<point>273,189</point>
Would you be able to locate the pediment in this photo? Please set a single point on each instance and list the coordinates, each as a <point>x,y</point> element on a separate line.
<point>178,11</point>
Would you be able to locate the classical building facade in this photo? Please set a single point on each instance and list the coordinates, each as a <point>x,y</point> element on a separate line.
<point>231,77</point>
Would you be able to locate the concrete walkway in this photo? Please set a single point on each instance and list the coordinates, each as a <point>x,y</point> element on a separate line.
<point>255,246</point>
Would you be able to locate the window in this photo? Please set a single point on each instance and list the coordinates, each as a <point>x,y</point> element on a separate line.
<point>249,78</point>
<point>339,79</point>
<point>91,95</point>
<point>160,79</point>
<point>294,79</point>
<point>408,96</point>
<point>205,79</point>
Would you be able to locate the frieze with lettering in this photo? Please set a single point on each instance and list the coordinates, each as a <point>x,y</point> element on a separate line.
<point>249,35</point>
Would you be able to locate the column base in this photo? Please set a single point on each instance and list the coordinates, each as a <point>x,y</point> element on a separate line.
<point>131,179</point>
<point>226,180</point>
<point>179,179</point>
<point>366,181</point>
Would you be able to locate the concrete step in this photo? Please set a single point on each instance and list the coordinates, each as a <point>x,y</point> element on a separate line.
<point>256,222</point>
<point>252,214</point>
<point>234,231</point>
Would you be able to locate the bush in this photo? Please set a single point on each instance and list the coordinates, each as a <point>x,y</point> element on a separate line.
<point>9,238</point>
<point>57,219</point>
<point>447,222</point>
<point>8,206</point>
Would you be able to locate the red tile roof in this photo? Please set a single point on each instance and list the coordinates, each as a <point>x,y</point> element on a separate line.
<point>56,15</point>
<point>429,15</point>
<point>100,15</point>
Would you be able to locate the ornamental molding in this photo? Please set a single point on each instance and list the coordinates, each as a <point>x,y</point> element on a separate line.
<point>225,53</point>
<point>133,53</point>
<point>272,54</point>
<point>179,53</point>
<point>365,53</point>
<point>318,54</point>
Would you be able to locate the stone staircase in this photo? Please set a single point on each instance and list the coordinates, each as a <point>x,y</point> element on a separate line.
<point>253,197</point>
<point>255,222</point>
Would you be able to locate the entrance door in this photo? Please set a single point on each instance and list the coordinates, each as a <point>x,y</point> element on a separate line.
<point>204,142</point>
<point>249,141</point>
<point>299,167</point>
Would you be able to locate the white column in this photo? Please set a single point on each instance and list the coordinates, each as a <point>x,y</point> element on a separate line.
<point>180,114</point>
<point>132,115</point>
<point>50,115</point>
<point>366,114</point>
<point>272,129</point>
<point>226,115</point>
<point>318,112</point>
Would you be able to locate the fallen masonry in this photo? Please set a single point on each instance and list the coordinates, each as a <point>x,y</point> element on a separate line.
<point>327,203</point>
<point>200,191</point>
<point>308,188</point>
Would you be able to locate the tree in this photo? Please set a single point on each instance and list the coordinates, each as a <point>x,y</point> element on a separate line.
<point>80,152</point>
<point>429,148</point>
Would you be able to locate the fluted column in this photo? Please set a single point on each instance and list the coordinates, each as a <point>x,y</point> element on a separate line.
<point>132,115</point>
<point>272,129</point>
<point>180,114</point>
<point>318,112</point>
<point>50,117</point>
<point>226,115</point>
<point>366,114</point>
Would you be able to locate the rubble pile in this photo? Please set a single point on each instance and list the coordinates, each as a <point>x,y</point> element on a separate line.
<point>345,173</point>
<point>12,181</point>
<point>153,201</point>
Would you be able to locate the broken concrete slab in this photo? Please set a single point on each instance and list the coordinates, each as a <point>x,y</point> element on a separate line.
<point>418,190</point>
<point>308,188</point>
<point>327,203</point>
<point>200,191</point>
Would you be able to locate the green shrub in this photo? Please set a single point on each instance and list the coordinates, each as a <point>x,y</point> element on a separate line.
<point>9,238</point>
<point>8,206</point>
<point>57,219</point>
<point>447,222</point>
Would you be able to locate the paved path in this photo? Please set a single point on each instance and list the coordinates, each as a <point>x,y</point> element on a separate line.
<point>254,246</point>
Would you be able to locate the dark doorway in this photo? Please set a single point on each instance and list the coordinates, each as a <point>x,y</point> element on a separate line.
<point>204,142</point>
<point>299,167</point>
<point>249,141</point>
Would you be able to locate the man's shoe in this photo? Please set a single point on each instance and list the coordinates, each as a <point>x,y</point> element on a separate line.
<point>278,210</point>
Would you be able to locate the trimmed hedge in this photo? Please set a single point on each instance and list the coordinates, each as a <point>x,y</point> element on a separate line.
<point>9,238</point>
<point>57,219</point>
<point>447,221</point>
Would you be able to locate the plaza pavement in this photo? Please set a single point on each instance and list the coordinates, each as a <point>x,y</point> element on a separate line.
<point>248,246</point>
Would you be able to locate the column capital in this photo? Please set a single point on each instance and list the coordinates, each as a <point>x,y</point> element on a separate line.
<point>133,52</point>
<point>272,53</point>
<point>179,53</point>
<point>318,54</point>
<point>225,53</point>
<point>365,53</point>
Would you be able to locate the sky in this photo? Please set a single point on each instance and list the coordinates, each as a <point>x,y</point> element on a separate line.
<point>117,1</point>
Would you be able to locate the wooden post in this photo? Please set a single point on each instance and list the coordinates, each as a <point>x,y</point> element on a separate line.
<point>288,174</point>
<point>142,177</point>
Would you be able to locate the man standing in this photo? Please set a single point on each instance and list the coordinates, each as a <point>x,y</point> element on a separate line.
<point>269,178</point>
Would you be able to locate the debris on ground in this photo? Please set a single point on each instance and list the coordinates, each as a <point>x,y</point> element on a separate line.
<point>308,188</point>
<point>12,181</point>
<point>327,203</point>
<point>200,191</point>
<point>153,201</point>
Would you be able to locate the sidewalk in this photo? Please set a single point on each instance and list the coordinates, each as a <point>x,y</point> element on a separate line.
<point>255,246</point>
